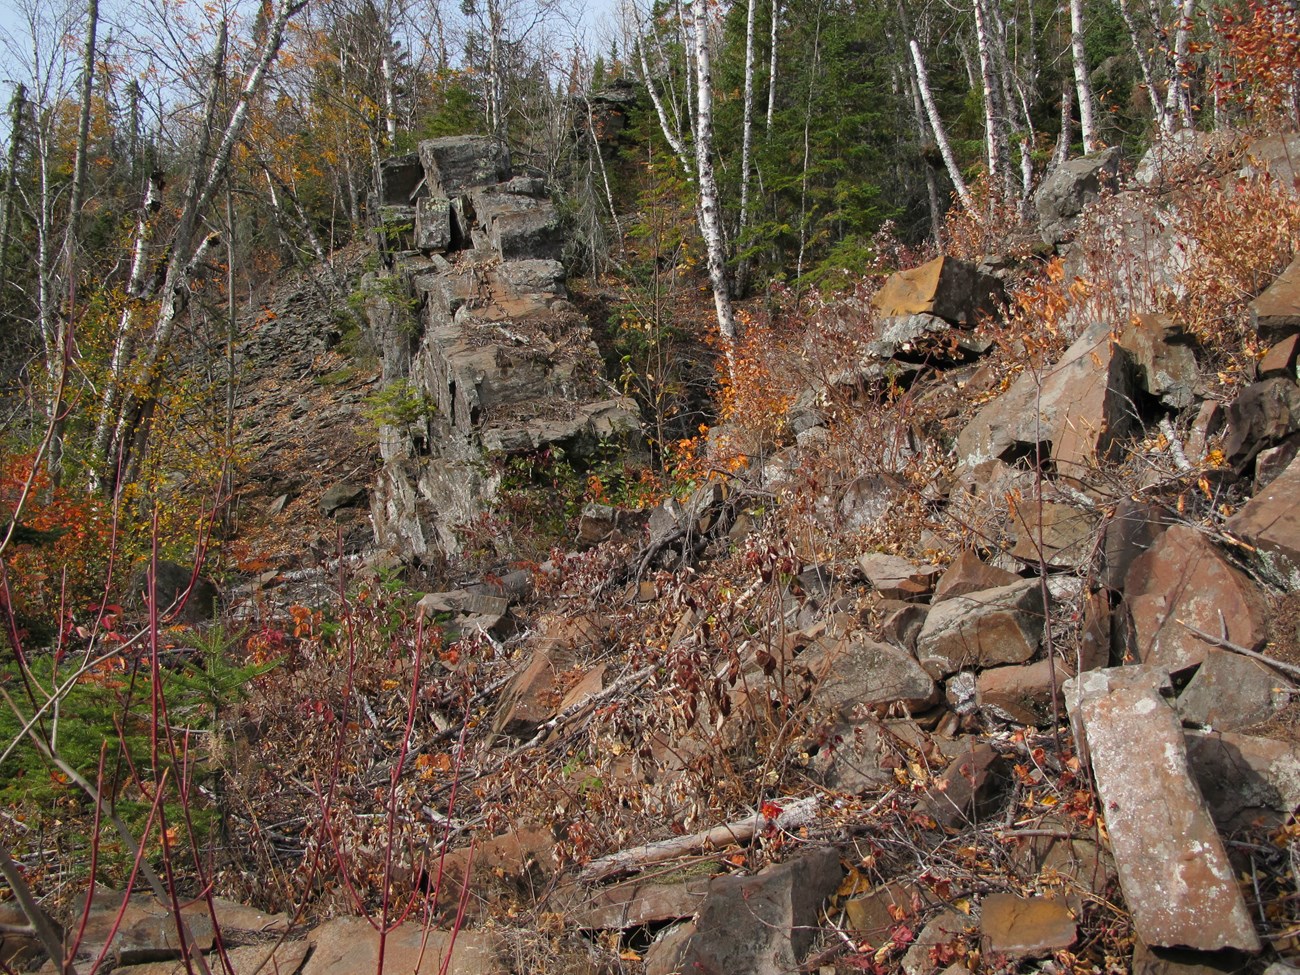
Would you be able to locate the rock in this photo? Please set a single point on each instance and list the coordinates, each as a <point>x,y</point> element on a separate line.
<point>533,695</point>
<point>17,948</point>
<point>1270,522</point>
<point>1025,927</point>
<point>1131,530</point>
<point>1021,694</point>
<point>959,690</point>
<point>635,903</point>
<point>1054,534</point>
<point>969,573</point>
<point>1095,645</point>
<point>1182,579</point>
<point>1279,362</point>
<point>949,927</point>
<point>342,495</point>
<point>902,626</point>
<point>348,945</point>
<point>283,958</point>
<point>585,635</point>
<point>760,925</point>
<point>147,931</point>
<point>662,956</point>
<point>172,583</point>
<point>456,163</point>
<point>897,578</point>
<point>1207,424</point>
<point>433,224</point>
<point>1275,313</point>
<point>1245,778</point>
<point>926,338</point>
<point>600,522</point>
<point>527,233</point>
<point>1271,462</point>
<point>945,287</point>
<point>1230,691</point>
<point>1178,884</point>
<point>1182,151</point>
<point>854,673</point>
<point>969,788</point>
<point>980,629</point>
<point>1166,365</point>
<point>872,917</point>
<point>1262,415</point>
<point>857,756</point>
<point>1067,189</point>
<point>518,863</point>
<point>400,177</point>
<point>1077,412</point>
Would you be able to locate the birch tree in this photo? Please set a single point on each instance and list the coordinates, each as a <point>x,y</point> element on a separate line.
<point>1082,80</point>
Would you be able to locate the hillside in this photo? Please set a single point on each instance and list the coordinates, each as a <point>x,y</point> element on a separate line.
<point>966,638</point>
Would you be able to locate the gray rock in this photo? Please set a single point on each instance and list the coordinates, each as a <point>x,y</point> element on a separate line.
<point>1067,189</point>
<point>1178,884</point>
<point>341,495</point>
<point>433,224</point>
<point>1245,778</point>
<point>1166,365</point>
<point>855,673</point>
<point>400,177</point>
<point>348,945</point>
<point>456,163</point>
<point>1270,521</point>
<point>760,925</point>
<point>1229,692</point>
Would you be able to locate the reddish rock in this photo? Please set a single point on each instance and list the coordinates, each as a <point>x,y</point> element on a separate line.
<point>1076,412</point>
<point>872,917</point>
<point>1181,579</point>
<point>533,695</point>
<point>1208,423</point>
<point>520,861</point>
<point>1280,360</point>
<point>1262,415</point>
<point>272,959</point>
<point>996,626</point>
<point>1164,359</point>
<point>1174,961</point>
<point>1276,312</point>
<point>950,927</point>
<point>632,904</point>
<point>855,673</point>
<point>1271,462</point>
<point>1131,531</point>
<point>1059,535</point>
<point>1178,884</point>
<point>895,577</point>
<point>902,626</point>
<point>1095,644</point>
<point>590,684</point>
<point>348,945</point>
<point>968,788</point>
<point>1230,691</point>
<point>1025,927</point>
<point>858,756</point>
<point>969,573</point>
<point>945,287</point>
<point>1270,521</point>
<point>1021,694</point>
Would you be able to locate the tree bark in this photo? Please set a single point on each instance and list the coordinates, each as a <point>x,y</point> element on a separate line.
<point>1082,80</point>
<point>936,126</point>
<point>998,151</point>
<point>746,145</point>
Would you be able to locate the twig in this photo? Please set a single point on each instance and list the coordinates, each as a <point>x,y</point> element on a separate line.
<point>49,936</point>
<point>1219,641</point>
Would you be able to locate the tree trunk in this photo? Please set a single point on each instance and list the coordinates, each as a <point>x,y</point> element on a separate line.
<point>1082,80</point>
<point>710,215</point>
<point>17,110</point>
<point>998,151</point>
<point>746,147</point>
<point>1143,56</point>
<point>1178,102</point>
<point>940,135</point>
<point>771,69</point>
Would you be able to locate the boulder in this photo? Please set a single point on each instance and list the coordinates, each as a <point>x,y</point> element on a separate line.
<point>1270,522</point>
<point>1056,534</point>
<point>1067,189</point>
<point>995,626</point>
<point>342,495</point>
<point>949,927</point>
<point>895,577</point>
<point>854,673</point>
<point>947,288</point>
<point>172,583</point>
<point>1245,779</point>
<point>1076,413</point>
<point>456,163</point>
<point>633,903</point>
<point>1183,580</point>
<point>969,789</point>
<point>926,338</point>
<point>1262,415</point>
<point>760,925</point>
<point>400,177</point>
<point>283,958</point>
<point>1229,692</point>
<point>969,573</point>
<point>1279,361</point>
<point>1162,354</point>
<point>348,945</point>
<point>1130,531</point>
<point>1275,312</point>
<point>533,695</point>
<point>433,224</point>
<point>1021,694</point>
<point>858,756</point>
<point>1177,881</point>
<point>1025,927</point>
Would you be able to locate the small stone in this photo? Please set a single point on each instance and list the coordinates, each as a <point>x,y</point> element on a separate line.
<point>1276,312</point>
<point>1230,691</point>
<point>1280,360</point>
<point>1025,927</point>
<point>969,573</point>
<point>895,577</point>
<point>996,626</point>
<point>1022,694</point>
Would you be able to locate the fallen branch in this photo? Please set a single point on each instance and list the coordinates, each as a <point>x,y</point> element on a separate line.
<point>1219,641</point>
<point>794,813</point>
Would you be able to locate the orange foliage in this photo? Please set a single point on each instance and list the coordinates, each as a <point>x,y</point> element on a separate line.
<point>1262,59</point>
<point>66,568</point>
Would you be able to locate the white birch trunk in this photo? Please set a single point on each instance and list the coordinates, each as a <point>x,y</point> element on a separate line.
<point>1144,65</point>
<point>1178,101</point>
<point>936,127</point>
<point>1082,80</point>
<point>998,152</point>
